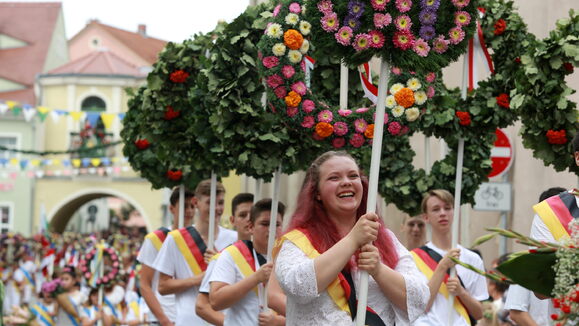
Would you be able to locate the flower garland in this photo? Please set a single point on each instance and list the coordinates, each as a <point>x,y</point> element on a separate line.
<point>420,34</point>
<point>566,290</point>
<point>111,270</point>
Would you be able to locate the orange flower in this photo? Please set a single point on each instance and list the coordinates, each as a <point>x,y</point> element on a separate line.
<point>324,129</point>
<point>293,99</point>
<point>369,132</point>
<point>404,97</point>
<point>293,39</point>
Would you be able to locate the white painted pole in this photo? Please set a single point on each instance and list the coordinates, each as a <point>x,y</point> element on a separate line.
<point>272,226</point>
<point>181,205</point>
<point>257,194</point>
<point>427,160</point>
<point>343,86</point>
<point>101,273</point>
<point>373,180</point>
<point>212,204</point>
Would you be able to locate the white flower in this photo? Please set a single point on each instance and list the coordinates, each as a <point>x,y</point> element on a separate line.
<point>305,47</point>
<point>420,97</point>
<point>395,88</point>
<point>412,114</point>
<point>292,19</point>
<point>305,27</point>
<point>390,101</point>
<point>294,56</point>
<point>414,84</point>
<point>304,9</point>
<point>274,30</point>
<point>278,49</point>
<point>397,111</point>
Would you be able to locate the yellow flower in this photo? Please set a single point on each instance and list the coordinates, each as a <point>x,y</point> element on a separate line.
<point>414,84</point>
<point>305,47</point>
<point>274,30</point>
<point>294,56</point>
<point>278,49</point>
<point>397,111</point>
<point>395,88</point>
<point>305,27</point>
<point>420,97</point>
<point>412,114</point>
<point>390,101</point>
<point>292,19</point>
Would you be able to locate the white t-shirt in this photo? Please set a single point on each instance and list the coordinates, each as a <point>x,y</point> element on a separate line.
<point>147,255</point>
<point>245,311</point>
<point>77,299</point>
<point>519,298</point>
<point>474,284</point>
<point>170,261</point>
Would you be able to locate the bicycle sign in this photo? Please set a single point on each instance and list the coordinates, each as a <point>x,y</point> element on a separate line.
<point>493,196</point>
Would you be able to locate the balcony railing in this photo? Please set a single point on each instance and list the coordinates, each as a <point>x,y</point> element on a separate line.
<point>91,142</point>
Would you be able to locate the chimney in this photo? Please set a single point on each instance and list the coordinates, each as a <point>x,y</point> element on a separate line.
<point>142,30</point>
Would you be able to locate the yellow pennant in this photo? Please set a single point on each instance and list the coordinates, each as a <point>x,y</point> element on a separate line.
<point>108,119</point>
<point>11,104</point>
<point>14,161</point>
<point>42,109</point>
<point>56,161</point>
<point>95,161</point>
<point>76,115</point>
<point>35,162</point>
<point>76,162</point>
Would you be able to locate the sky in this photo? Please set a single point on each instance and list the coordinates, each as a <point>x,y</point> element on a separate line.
<point>170,20</point>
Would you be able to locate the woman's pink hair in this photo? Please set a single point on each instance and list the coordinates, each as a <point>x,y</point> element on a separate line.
<point>310,216</point>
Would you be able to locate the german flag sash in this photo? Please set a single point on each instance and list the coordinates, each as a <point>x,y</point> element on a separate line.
<point>341,290</point>
<point>242,254</point>
<point>157,237</point>
<point>427,264</point>
<point>192,247</point>
<point>41,312</point>
<point>557,212</point>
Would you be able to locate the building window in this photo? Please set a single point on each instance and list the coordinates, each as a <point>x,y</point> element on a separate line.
<point>9,142</point>
<point>5,217</point>
<point>95,43</point>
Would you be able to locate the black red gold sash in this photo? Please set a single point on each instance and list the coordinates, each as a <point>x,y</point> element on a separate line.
<point>243,258</point>
<point>427,265</point>
<point>192,247</point>
<point>557,212</point>
<point>157,237</point>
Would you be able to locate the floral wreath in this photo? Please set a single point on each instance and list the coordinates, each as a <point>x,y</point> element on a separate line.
<point>111,271</point>
<point>419,34</point>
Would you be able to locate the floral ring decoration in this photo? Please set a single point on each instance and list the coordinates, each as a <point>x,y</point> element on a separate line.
<point>111,261</point>
<point>412,34</point>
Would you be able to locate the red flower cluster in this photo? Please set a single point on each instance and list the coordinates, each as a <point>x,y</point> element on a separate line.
<point>517,60</point>
<point>179,76</point>
<point>142,144</point>
<point>557,137</point>
<point>171,114</point>
<point>174,175</point>
<point>568,67</point>
<point>503,100</point>
<point>500,26</point>
<point>463,118</point>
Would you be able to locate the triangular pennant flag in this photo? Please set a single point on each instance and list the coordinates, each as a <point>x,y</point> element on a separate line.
<point>35,162</point>
<point>115,159</point>
<point>85,162</point>
<point>106,161</point>
<point>16,110</point>
<point>3,161</point>
<point>11,104</point>
<point>29,114</point>
<point>95,161</point>
<point>14,161</point>
<point>3,108</point>
<point>42,116</point>
<point>76,115</point>
<point>121,116</point>
<point>39,173</point>
<point>92,170</point>
<point>23,164</point>
<point>56,161</point>
<point>43,109</point>
<point>55,115</point>
<point>109,170</point>
<point>108,119</point>
<point>76,163</point>
<point>101,171</point>
<point>92,118</point>
<point>47,162</point>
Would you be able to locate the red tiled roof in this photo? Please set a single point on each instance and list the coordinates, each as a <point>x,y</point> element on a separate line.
<point>101,62</point>
<point>34,24</point>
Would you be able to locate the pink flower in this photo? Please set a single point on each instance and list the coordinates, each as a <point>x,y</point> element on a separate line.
<point>456,35</point>
<point>344,112</point>
<point>379,5</point>
<point>303,65</point>
<point>292,111</point>
<point>404,130</point>
<point>274,81</point>
<point>376,39</point>
<point>308,106</point>
<point>382,20</point>
<point>276,10</point>
<point>295,8</point>
<point>430,77</point>
<point>430,92</point>
<point>308,122</point>
<point>397,71</point>
<point>403,23</point>
<point>338,142</point>
<point>362,110</point>
<point>460,3</point>
<point>403,40</point>
<point>325,6</point>
<point>270,62</point>
<point>299,87</point>
<point>325,116</point>
<point>461,18</point>
<point>421,47</point>
<point>360,125</point>
<point>357,140</point>
<point>330,22</point>
<point>394,128</point>
<point>440,44</point>
<point>340,128</point>
<point>385,117</point>
<point>344,35</point>
<point>280,92</point>
<point>403,5</point>
<point>288,71</point>
<point>362,42</point>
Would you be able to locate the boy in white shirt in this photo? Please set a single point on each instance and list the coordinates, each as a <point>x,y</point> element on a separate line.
<point>182,258</point>
<point>241,269</point>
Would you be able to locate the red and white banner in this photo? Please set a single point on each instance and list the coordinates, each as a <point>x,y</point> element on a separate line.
<point>370,90</point>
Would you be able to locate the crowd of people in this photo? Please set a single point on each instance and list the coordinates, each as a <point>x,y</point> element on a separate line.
<point>177,277</point>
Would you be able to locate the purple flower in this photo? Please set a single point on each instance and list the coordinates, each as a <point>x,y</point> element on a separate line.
<point>325,116</point>
<point>308,122</point>
<point>325,6</point>
<point>274,81</point>
<point>355,8</point>
<point>357,140</point>
<point>427,32</point>
<point>340,128</point>
<point>430,4</point>
<point>352,22</point>
<point>382,20</point>
<point>308,106</point>
<point>427,17</point>
<point>403,5</point>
